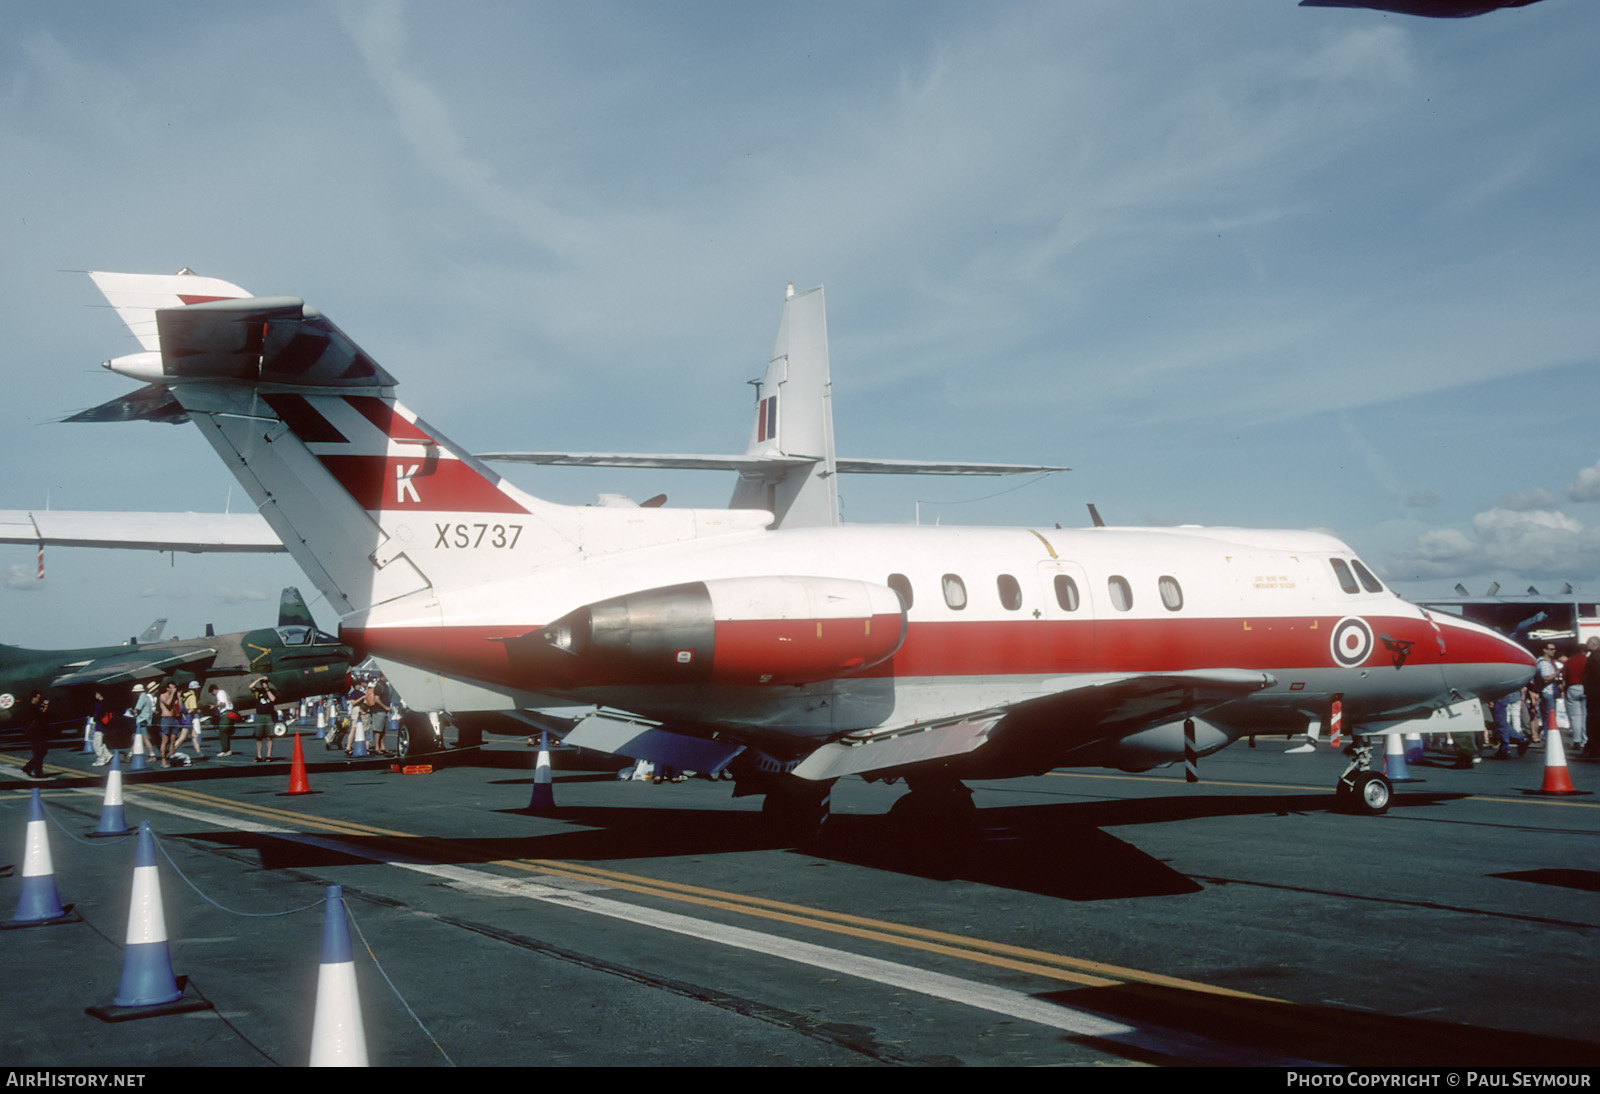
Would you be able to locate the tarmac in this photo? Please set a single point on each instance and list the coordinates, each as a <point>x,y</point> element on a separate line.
<point>1084,918</point>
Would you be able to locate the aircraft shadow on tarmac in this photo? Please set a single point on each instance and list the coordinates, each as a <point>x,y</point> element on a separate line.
<point>1269,1031</point>
<point>1055,850</point>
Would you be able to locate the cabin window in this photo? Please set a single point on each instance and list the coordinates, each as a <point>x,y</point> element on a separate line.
<point>901,584</point>
<point>1066,593</point>
<point>1010,592</point>
<point>1347,580</point>
<point>1121,593</point>
<point>1171,594</point>
<point>1369,581</point>
<point>955,591</point>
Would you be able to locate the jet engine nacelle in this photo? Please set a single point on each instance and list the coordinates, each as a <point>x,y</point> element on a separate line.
<point>741,630</point>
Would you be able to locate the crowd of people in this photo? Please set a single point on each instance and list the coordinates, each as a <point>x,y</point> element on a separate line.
<point>171,721</point>
<point>1557,695</point>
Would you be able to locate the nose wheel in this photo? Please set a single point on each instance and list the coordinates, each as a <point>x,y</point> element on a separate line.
<point>1360,791</point>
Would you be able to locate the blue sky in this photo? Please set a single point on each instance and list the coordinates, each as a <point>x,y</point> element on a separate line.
<point>1235,263</point>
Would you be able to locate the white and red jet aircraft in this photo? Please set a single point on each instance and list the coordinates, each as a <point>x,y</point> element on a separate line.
<point>792,655</point>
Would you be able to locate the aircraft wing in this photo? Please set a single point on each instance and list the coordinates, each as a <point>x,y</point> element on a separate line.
<point>1045,730</point>
<point>854,466</point>
<point>675,462</point>
<point>192,532</point>
<point>131,667</point>
<point>764,464</point>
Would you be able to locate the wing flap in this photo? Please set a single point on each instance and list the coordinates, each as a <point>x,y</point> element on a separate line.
<point>1084,715</point>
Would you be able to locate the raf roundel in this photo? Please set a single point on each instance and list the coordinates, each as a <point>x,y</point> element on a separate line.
<point>1352,641</point>
<point>6,700</point>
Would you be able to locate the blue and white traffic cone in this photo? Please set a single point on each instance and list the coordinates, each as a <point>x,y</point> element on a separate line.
<point>322,720</point>
<point>1394,759</point>
<point>112,821</point>
<point>338,1038</point>
<point>358,746</point>
<point>138,763</point>
<point>544,791</point>
<point>1415,748</point>
<point>148,987</point>
<point>88,738</point>
<point>147,978</point>
<point>39,902</point>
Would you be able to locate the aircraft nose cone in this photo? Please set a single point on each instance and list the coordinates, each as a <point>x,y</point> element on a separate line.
<point>1480,662</point>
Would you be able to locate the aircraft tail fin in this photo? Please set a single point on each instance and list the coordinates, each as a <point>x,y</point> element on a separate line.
<point>794,418</point>
<point>373,503</point>
<point>153,632</point>
<point>292,610</point>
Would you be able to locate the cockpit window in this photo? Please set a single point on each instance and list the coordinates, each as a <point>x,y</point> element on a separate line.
<point>1347,580</point>
<point>306,636</point>
<point>1369,581</point>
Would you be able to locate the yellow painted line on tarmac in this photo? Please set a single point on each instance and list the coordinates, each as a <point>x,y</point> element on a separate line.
<point>1058,966</point>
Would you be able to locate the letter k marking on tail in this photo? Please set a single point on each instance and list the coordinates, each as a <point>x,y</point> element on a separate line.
<point>403,484</point>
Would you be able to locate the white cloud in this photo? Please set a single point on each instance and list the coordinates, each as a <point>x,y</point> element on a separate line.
<point>1517,542</point>
<point>24,579</point>
<point>1586,487</point>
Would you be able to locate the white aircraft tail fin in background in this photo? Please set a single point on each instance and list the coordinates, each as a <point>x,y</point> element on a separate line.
<point>794,418</point>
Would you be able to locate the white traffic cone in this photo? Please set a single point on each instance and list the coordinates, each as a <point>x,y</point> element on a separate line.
<point>544,792</point>
<point>112,821</point>
<point>338,1038</point>
<point>138,763</point>
<point>39,902</point>
<point>147,988</point>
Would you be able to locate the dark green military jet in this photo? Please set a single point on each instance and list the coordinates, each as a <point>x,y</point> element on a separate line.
<point>295,656</point>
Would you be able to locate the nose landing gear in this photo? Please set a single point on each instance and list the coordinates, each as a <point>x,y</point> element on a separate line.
<point>1359,790</point>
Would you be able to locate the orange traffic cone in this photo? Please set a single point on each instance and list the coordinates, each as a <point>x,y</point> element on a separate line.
<point>1556,779</point>
<point>297,770</point>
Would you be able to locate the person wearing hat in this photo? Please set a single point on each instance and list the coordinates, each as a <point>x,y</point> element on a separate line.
<point>189,714</point>
<point>144,713</point>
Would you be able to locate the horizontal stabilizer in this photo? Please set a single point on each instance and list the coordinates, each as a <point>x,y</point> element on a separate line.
<point>188,532</point>
<point>268,339</point>
<point>137,297</point>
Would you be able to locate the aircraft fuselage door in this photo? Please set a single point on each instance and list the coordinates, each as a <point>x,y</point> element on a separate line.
<point>1068,613</point>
